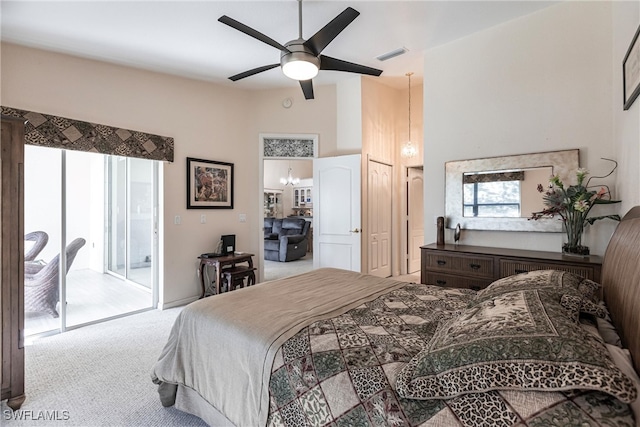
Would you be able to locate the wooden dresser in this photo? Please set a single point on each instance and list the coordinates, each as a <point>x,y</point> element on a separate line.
<point>475,267</point>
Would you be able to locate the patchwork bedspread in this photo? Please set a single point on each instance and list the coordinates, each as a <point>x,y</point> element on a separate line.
<point>342,372</point>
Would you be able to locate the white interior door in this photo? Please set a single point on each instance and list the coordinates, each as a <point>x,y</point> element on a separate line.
<point>415,220</point>
<point>336,212</point>
<point>379,176</point>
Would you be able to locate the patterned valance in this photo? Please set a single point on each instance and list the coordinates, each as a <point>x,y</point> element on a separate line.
<point>45,130</point>
<point>472,178</point>
<point>288,147</point>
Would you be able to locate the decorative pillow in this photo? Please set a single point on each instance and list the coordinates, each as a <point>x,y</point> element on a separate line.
<point>578,304</point>
<point>520,340</point>
<point>583,291</point>
<point>562,281</point>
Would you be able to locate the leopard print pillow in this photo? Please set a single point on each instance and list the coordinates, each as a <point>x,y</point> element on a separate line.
<point>520,340</point>
<point>577,304</point>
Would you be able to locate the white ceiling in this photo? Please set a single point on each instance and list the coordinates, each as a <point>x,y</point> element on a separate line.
<point>185,38</point>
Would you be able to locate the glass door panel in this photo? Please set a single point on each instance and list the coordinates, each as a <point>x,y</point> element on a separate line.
<point>42,212</point>
<point>92,293</point>
<point>117,206</point>
<point>140,221</point>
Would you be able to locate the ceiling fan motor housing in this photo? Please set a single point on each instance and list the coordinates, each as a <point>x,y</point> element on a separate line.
<point>299,63</point>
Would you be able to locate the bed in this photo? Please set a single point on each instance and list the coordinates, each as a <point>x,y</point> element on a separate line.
<point>333,347</point>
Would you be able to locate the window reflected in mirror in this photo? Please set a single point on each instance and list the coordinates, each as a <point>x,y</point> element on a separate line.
<point>504,193</point>
<point>536,169</point>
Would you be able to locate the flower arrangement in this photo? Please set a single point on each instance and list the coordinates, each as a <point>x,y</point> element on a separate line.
<point>573,204</point>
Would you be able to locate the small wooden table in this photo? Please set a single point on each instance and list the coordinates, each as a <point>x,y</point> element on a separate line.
<point>219,263</point>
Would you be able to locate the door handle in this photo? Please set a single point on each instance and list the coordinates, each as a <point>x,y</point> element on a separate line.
<point>355,230</point>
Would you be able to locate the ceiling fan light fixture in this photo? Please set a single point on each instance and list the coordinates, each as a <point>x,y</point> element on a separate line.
<point>300,70</point>
<point>301,59</point>
<point>300,65</point>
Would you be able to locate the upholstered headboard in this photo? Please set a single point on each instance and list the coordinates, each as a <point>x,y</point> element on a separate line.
<point>621,281</point>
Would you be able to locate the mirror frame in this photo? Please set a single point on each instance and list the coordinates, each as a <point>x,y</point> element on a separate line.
<point>563,163</point>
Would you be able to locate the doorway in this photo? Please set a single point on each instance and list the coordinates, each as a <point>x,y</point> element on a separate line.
<point>288,188</point>
<point>284,148</point>
<point>415,216</point>
<point>69,196</point>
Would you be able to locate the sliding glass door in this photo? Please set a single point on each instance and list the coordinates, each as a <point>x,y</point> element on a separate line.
<point>131,219</point>
<point>98,212</point>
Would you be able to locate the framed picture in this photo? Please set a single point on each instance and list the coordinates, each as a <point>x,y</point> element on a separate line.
<point>631,72</point>
<point>209,184</point>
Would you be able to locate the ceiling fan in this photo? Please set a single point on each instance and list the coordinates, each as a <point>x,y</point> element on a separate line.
<point>301,59</point>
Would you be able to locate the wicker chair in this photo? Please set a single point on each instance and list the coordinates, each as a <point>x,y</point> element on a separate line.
<point>40,238</point>
<point>41,290</point>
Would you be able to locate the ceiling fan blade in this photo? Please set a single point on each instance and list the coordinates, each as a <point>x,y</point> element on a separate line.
<point>251,32</point>
<point>326,34</point>
<point>329,63</point>
<point>252,72</point>
<point>307,88</point>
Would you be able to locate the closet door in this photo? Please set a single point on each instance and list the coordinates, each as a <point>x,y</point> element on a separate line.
<point>12,261</point>
<point>380,202</point>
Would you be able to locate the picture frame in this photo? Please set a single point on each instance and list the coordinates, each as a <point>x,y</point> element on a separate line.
<point>631,72</point>
<point>209,184</point>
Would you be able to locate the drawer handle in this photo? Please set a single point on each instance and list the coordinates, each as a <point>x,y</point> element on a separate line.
<point>441,262</point>
<point>518,271</point>
<point>441,282</point>
<point>475,266</point>
<point>475,287</point>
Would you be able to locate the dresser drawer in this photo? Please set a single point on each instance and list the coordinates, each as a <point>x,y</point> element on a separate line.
<point>471,265</point>
<point>452,281</point>
<point>509,267</point>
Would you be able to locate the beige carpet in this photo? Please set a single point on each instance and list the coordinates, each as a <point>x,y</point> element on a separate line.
<point>98,375</point>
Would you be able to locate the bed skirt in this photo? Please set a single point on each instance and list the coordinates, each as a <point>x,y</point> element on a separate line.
<point>188,400</point>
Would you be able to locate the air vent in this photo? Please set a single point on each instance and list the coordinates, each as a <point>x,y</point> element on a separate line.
<point>392,54</point>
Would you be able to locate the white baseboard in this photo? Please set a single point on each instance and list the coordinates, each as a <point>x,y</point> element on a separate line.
<point>178,303</point>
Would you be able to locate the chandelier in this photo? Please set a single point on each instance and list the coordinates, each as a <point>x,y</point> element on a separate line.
<point>408,150</point>
<point>289,180</point>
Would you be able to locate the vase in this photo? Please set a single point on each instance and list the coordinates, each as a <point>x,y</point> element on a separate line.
<point>572,241</point>
<point>440,230</point>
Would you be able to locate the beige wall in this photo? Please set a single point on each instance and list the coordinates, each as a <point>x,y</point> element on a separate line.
<point>207,121</point>
<point>626,124</point>
<point>539,83</point>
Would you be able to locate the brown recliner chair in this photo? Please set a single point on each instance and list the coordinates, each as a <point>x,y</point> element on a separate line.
<point>41,289</point>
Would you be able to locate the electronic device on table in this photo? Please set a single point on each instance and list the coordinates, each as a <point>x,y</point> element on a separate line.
<point>226,246</point>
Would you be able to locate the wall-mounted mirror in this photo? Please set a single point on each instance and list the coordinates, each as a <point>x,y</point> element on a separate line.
<point>500,193</point>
